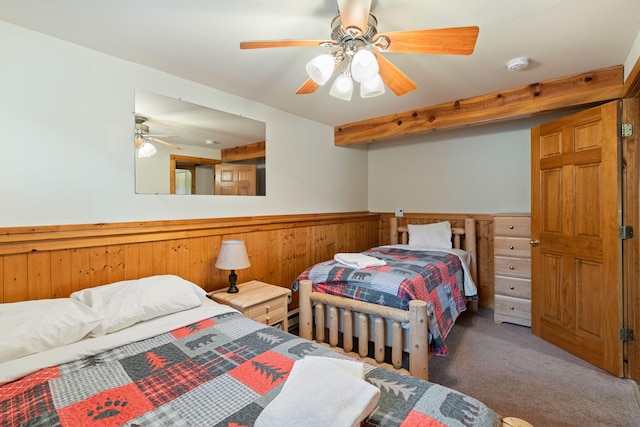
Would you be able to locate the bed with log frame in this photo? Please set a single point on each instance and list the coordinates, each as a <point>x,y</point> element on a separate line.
<point>337,320</point>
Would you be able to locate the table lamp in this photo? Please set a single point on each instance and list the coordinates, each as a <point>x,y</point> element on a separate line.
<point>233,256</point>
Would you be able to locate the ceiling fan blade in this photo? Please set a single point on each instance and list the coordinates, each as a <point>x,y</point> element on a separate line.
<point>307,87</point>
<point>282,43</point>
<point>397,81</point>
<point>451,41</point>
<point>354,13</point>
<point>166,143</point>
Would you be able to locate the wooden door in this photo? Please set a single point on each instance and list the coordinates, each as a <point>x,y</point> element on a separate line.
<point>235,179</point>
<point>575,215</point>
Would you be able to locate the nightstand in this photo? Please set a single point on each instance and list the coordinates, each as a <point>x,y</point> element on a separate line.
<point>260,301</point>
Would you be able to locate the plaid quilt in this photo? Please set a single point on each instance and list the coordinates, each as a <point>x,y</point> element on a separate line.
<point>221,371</point>
<point>431,276</point>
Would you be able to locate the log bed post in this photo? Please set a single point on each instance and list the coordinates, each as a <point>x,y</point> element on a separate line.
<point>418,335</point>
<point>306,310</point>
<point>393,230</point>
<point>470,234</point>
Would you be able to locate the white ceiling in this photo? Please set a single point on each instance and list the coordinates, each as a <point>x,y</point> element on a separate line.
<point>199,40</point>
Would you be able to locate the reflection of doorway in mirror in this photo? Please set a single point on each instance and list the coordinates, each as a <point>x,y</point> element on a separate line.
<point>235,179</point>
<point>183,181</point>
<point>201,173</point>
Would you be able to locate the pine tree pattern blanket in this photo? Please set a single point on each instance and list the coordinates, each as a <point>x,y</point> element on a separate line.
<point>219,371</point>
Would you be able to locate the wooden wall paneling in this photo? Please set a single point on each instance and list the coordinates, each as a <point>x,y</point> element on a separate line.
<point>61,275</point>
<point>161,256</point>
<point>15,278</point>
<point>484,247</point>
<point>80,268</point>
<point>39,275</point>
<point>297,254</point>
<point>99,265</point>
<point>1,280</point>
<point>199,263</point>
<point>54,261</point>
<point>182,254</point>
<point>256,244</point>
<point>172,256</point>
<point>132,263</point>
<point>115,263</point>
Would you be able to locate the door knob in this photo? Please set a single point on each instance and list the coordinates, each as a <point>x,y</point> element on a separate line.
<point>535,242</point>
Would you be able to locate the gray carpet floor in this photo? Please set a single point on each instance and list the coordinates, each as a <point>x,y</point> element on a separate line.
<point>520,375</point>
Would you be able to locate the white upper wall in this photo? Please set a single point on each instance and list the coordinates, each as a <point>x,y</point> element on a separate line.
<point>66,131</point>
<point>481,169</point>
<point>633,57</point>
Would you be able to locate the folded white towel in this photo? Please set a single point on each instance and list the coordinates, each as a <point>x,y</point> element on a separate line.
<point>357,260</point>
<point>322,391</point>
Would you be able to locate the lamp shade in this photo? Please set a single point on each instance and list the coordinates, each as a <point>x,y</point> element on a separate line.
<point>373,87</point>
<point>320,68</point>
<point>146,150</point>
<point>342,88</point>
<point>364,66</point>
<point>233,255</point>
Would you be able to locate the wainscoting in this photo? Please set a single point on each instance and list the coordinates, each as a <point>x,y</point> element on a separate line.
<point>54,261</point>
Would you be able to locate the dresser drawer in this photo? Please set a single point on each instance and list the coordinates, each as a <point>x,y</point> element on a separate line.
<point>518,226</point>
<point>513,287</point>
<point>513,307</point>
<point>512,267</point>
<point>512,246</point>
<point>268,312</point>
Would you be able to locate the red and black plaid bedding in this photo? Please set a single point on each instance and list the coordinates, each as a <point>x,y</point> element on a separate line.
<point>221,371</point>
<point>432,276</point>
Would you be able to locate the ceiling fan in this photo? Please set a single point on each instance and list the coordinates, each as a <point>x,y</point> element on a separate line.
<point>143,139</point>
<point>356,41</point>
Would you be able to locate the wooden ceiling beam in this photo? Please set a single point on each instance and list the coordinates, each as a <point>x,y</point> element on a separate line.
<point>256,150</point>
<point>526,101</point>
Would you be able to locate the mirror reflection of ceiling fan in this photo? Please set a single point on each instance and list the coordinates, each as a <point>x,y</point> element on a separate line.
<point>356,42</point>
<point>143,139</point>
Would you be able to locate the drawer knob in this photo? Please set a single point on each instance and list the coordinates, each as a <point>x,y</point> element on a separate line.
<point>268,308</point>
<point>511,247</point>
<point>512,287</point>
<point>511,267</point>
<point>511,307</point>
<point>511,227</point>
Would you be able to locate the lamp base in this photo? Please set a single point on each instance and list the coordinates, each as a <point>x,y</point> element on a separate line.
<point>233,289</point>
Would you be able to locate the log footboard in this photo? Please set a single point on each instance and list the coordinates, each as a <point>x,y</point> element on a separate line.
<point>416,317</point>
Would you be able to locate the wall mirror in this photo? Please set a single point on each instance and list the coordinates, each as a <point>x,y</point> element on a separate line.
<point>185,148</point>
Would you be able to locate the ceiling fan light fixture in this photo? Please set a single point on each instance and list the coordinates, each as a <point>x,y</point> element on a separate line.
<point>342,88</point>
<point>364,66</point>
<point>320,68</point>
<point>146,150</point>
<point>372,87</point>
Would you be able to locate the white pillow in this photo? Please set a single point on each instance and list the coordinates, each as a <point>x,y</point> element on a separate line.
<point>436,235</point>
<point>30,327</point>
<point>126,303</point>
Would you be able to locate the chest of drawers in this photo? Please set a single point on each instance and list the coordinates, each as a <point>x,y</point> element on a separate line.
<point>512,268</point>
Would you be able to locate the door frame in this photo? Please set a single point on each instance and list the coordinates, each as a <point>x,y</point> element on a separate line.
<point>630,113</point>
